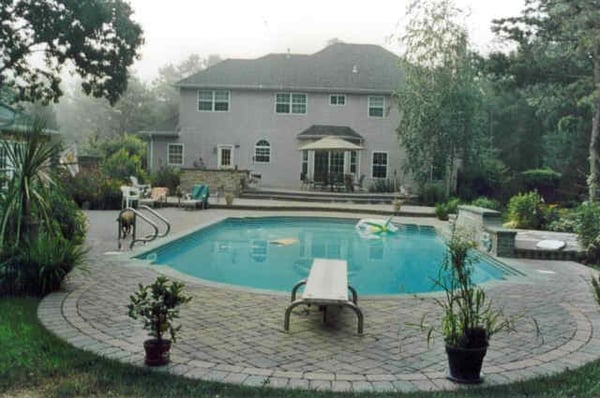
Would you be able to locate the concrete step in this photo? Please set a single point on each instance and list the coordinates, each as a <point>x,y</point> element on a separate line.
<point>321,196</point>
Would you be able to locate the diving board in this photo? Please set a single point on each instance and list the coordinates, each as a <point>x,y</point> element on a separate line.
<point>327,284</point>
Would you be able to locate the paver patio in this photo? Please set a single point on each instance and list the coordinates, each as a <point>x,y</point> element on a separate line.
<point>236,335</point>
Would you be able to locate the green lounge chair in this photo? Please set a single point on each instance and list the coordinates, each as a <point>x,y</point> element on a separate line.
<point>198,197</point>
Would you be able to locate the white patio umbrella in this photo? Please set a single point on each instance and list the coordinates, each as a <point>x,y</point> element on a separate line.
<point>330,143</point>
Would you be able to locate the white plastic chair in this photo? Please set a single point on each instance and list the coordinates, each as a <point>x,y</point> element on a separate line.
<point>143,188</point>
<point>130,195</point>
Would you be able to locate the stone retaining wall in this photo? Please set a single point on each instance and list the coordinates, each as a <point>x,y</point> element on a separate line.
<point>484,226</point>
<point>217,180</point>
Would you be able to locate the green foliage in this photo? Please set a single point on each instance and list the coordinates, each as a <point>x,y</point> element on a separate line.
<point>432,193</point>
<point>486,203</point>
<point>523,211</point>
<point>383,185</point>
<point>66,216</point>
<point>588,231</point>
<point>486,175</point>
<point>468,319</point>
<point>157,305</point>
<point>442,210</point>
<point>544,181</point>
<point>596,288</point>
<point>132,145</point>
<point>121,165</point>
<point>24,206</point>
<point>439,96</point>
<point>561,35</point>
<point>92,189</point>
<point>168,177</point>
<point>40,266</point>
<point>97,36</point>
<point>567,220</point>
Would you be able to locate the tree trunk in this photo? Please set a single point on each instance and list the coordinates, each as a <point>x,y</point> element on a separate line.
<point>594,144</point>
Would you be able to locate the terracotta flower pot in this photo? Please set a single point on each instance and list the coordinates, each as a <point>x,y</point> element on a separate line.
<point>465,364</point>
<point>157,352</point>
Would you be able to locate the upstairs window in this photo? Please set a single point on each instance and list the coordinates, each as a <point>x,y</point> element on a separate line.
<point>376,105</point>
<point>290,103</point>
<point>175,154</point>
<point>337,99</point>
<point>213,101</point>
<point>262,152</point>
<point>379,165</point>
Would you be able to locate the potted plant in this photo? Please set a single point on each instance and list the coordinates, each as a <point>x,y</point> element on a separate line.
<point>157,305</point>
<point>396,205</point>
<point>468,320</point>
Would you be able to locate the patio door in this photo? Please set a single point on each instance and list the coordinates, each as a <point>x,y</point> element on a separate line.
<point>328,165</point>
<point>321,166</point>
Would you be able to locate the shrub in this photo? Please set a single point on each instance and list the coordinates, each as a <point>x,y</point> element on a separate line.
<point>41,267</point>
<point>442,210</point>
<point>486,203</point>
<point>382,185</point>
<point>121,165</point>
<point>432,193</point>
<point>588,230</point>
<point>596,288</point>
<point>132,145</point>
<point>93,189</point>
<point>168,177</point>
<point>566,221</point>
<point>66,216</point>
<point>523,210</point>
<point>544,181</point>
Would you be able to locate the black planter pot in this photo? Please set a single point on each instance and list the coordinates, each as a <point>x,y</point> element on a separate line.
<point>465,364</point>
<point>157,352</point>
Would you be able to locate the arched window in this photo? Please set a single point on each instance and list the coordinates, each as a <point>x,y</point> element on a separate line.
<point>262,152</point>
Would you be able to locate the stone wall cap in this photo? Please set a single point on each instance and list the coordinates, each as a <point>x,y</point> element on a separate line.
<point>479,210</point>
<point>501,230</point>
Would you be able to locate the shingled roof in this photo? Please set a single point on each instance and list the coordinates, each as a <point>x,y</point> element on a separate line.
<point>320,131</point>
<point>340,67</point>
<point>165,128</point>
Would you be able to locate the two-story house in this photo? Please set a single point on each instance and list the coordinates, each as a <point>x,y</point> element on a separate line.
<point>259,114</point>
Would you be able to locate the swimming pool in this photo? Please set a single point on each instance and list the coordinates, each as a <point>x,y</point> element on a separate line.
<point>273,253</point>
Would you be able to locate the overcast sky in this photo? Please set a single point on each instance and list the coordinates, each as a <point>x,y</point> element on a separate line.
<point>175,29</point>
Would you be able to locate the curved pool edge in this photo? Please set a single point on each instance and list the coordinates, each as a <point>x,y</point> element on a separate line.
<point>65,314</point>
<point>89,314</point>
<point>143,253</point>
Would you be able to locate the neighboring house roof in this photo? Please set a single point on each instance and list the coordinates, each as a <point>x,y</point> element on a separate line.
<point>340,67</point>
<point>14,122</point>
<point>319,131</point>
<point>166,128</point>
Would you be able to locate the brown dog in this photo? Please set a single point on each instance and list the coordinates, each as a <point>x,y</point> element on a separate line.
<point>126,220</point>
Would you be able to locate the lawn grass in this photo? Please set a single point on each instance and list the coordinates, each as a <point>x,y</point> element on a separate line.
<point>33,362</point>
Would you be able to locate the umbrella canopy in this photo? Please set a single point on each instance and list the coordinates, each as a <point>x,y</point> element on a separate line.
<point>330,144</point>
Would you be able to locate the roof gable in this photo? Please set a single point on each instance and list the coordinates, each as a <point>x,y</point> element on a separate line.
<point>342,67</point>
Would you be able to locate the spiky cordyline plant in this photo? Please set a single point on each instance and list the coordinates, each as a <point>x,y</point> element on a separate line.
<point>24,202</point>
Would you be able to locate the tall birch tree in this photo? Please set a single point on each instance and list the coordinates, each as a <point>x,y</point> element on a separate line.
<point>439,97</point>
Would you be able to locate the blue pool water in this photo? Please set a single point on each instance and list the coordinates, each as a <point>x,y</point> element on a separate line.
<point>242,252</point>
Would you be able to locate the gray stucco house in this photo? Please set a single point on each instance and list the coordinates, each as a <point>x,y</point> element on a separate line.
<point>257,114</point>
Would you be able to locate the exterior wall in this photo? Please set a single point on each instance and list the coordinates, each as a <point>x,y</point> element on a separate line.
<point>252,117</point>
<point>225,180</point>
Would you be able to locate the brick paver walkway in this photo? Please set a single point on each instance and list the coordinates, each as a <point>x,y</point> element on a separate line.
<point>235,335</point>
